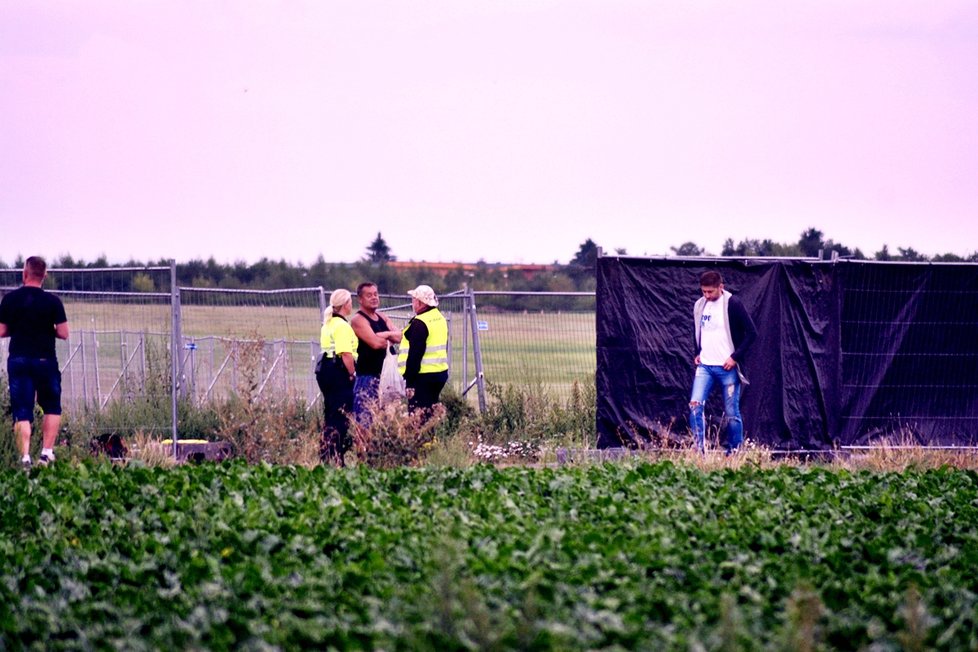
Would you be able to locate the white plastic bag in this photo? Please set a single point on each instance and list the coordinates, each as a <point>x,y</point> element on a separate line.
<point>392,387</point>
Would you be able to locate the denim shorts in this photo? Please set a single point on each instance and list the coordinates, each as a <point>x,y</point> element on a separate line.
<point>29,377</point>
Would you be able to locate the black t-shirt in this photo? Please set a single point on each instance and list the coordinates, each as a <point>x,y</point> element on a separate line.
<point>370,361</point>
<point>31,314</point>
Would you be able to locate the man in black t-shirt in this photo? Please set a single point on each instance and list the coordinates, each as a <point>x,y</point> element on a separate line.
<point>32,319</point>
<point>376,333</point>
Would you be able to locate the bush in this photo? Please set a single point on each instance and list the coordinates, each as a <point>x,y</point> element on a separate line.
<point>520,423</point>
<point>522,420</point>
<point>272,428</point>
<point>396,437</point>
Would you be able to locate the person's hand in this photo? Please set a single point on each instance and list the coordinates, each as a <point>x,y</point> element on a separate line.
<point>696,361</point>
<point>729,364</point>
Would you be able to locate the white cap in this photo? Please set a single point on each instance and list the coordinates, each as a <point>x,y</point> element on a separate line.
<point>425,295</point>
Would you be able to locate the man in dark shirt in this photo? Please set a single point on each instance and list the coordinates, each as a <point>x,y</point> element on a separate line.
<point>375,333</point>
<point>32,319</point>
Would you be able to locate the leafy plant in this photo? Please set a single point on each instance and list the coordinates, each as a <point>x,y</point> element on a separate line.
<point>624,556</point>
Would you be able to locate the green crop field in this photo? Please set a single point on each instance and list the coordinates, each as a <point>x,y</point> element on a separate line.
<point>632,556</point>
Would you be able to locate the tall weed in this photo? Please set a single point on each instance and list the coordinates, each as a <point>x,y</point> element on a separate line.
<point>266,428</point>
<point>8,447</point>
<point>396,437</point>
<point>903,452</point>
<point>148,450</point>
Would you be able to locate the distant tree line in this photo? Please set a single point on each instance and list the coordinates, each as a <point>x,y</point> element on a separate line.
<point>812,244</point>
<point>577,275</point>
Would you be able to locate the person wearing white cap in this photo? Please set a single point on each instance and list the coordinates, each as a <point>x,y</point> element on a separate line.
<point>423,358</point>
<point>335,374</point>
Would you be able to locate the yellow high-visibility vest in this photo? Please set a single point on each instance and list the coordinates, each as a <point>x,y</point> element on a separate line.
<point>435,356</point>
<point>337,337</point>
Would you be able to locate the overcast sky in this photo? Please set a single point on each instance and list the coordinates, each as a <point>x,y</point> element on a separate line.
<point>501,131</point>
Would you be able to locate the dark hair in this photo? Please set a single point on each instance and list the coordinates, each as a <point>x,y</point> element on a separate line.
<point>710,279</point>
<point>36,267</point>
<point>365,284</point>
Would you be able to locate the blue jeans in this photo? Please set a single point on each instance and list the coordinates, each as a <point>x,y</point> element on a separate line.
<point>366,391</point>
<point>703,381</point>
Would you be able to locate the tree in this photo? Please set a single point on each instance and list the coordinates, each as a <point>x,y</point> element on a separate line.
<point>143,283</point>
<point>586,256</point>
<point>955,258</point>
<point>910,254</point>
<point>584,265</point>
<point>378,251</point>
<point>689,249</point>
<point>811,243</point>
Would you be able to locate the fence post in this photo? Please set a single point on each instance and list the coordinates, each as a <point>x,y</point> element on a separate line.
<point>98,374</point>
<point>71,373</point>
<point>84,371</point>
<point>123,361</point>
<point>175,339</point>
<point>142,357</point>
<point>465,337</point>
<point>476,350</point>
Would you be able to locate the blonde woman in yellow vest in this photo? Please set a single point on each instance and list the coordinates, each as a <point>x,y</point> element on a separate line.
<point>335,374</point>
<point>423,357</point>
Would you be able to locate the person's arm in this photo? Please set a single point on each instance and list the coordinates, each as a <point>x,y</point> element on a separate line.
<point>393,335</point>
<point>366,334</point>
<point>346,343</point>
<point>741,324</point>
<point>350,365</point>
<point>60,319</point>
<point>4,318</point>
<point>417,335</point>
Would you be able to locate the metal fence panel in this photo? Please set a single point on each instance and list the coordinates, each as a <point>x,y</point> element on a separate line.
<point>119,351</point>
<point>272,334</point>
<point>545,338</point>
<point>117,355</point>
<point>452,306</point>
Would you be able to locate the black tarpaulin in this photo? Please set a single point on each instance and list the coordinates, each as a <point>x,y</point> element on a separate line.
<point>846,351</point>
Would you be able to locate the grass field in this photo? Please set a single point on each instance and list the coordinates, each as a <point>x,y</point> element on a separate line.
<point>553,349</point>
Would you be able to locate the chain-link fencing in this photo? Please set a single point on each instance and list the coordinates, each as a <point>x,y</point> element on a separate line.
<point>124,340</point>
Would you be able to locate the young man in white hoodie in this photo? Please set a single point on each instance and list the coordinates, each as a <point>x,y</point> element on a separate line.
<point>724,331</point>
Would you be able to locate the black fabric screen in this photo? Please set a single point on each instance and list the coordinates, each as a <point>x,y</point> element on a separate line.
<point>846,351</point>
